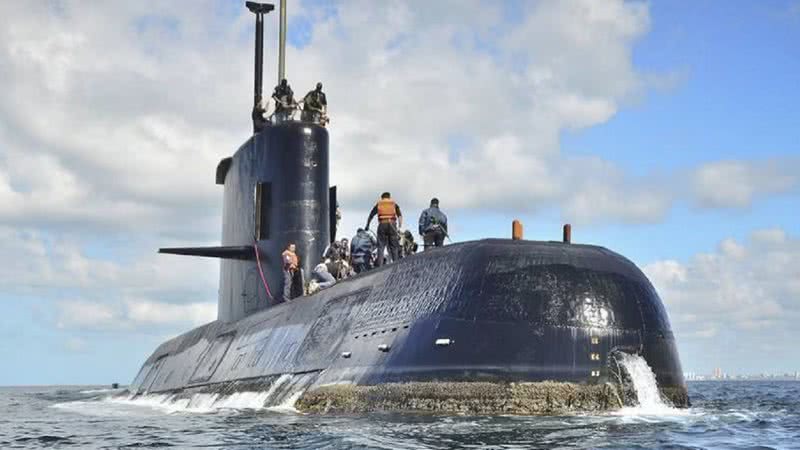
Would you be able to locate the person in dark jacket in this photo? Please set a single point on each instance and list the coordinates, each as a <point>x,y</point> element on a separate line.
<point>361,247</point>
<point>389,218</point>
<point>433,225</point>
<point>284,101</point>
<point>259,121</point>
<point>315,106</point>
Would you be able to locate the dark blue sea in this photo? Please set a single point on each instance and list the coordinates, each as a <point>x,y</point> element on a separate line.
<point>724,415</point>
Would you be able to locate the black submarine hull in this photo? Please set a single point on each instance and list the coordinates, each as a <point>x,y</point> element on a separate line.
<point>492,311</point>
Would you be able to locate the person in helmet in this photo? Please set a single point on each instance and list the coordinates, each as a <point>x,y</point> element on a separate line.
<point>284,101</point>
<point>433,225</point>
<point>315,106</point>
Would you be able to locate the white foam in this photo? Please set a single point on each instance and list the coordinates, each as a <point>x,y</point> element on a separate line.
<point>197,403</point>
<point>243,400</point>
<point>287,405</point>
<point>646,387</point>
<point>102,391</point>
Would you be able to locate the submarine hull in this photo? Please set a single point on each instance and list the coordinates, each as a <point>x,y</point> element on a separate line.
<point>475,321</point>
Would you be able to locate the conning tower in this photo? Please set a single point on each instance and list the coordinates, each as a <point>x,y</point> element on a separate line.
<point>276,192</point>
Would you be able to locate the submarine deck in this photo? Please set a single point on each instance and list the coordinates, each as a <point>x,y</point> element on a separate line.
<point>511,311</point>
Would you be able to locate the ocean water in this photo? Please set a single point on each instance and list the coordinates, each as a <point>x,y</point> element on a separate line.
<point>724,415</point>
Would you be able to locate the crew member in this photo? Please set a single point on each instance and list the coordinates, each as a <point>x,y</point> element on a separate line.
<point>315,106</point>
<point>322,276</point>
<point>333,251</point>
<point>407,244</point>
<point>361,247</point>
<point>291,265</point>
<point>344,245</point>
<point>336,256</point>
<point>389,218</point>
<point>433,225</point>
<point>259,122</point>
<point>284,101</point>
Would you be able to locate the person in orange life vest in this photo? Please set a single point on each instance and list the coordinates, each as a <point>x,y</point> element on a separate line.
<point>389,217</point>
<point>291,264</point>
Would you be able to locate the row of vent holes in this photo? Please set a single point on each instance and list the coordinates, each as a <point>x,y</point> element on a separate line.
<point>382,332</point>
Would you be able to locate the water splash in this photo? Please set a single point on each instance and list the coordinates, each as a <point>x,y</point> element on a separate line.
<point>646,388</point>
<point>281,397</point>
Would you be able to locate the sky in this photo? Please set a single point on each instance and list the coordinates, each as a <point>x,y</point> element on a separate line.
<point>665,131</point>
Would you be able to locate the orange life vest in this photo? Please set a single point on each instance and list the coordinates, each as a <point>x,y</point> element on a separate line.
<point>387,210</point>
<point>290,260</point>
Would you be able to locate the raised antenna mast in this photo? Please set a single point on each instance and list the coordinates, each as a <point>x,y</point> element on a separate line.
<point>282,44</point>
<point>259,9</point>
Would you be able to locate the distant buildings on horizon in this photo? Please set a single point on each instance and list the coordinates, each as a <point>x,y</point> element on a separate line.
<point>719,375</point>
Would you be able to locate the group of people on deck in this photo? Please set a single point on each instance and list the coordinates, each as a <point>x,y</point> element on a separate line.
<point>366,250</point>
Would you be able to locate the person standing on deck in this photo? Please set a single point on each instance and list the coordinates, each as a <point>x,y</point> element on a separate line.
<point>291,264</point>
<point>389,218</point>
<point>361,248</point>
<point>433,225</point>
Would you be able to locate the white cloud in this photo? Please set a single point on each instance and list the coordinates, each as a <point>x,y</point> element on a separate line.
<point>129,315</point>
<point>163,313</point>
<point>158,100</point>
<point>50,263</point>
<point>599,191</point>
<point>79,314</point>
<point>736,184</point>
<point>119,113</point>
<point>749,290</point>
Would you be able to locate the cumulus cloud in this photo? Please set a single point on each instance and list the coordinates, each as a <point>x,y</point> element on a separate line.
<point>142,291</point>
<point>44,263</point>
<point>736,184</point>
<point>601,191</point>
<point>120,112</point>
<point>131,315</point>
<point>749,290</point>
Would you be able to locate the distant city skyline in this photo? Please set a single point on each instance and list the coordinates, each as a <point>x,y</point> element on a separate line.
<point>722,376</point>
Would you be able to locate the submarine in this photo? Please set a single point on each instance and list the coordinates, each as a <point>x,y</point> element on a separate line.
<point>495,326</point>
